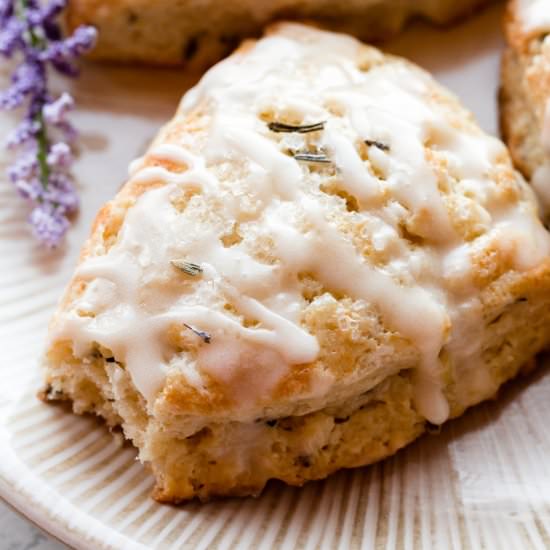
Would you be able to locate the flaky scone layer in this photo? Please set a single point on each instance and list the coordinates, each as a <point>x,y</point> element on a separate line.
<point>319,254</point>
<point>197,35</point>
<point>525,91</point>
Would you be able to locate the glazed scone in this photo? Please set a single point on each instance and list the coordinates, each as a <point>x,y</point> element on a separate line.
<point>319,255</point>
<point>525,91</point>
<point>200,33</point>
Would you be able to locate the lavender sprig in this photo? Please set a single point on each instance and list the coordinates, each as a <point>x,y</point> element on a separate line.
<point>43,139</point>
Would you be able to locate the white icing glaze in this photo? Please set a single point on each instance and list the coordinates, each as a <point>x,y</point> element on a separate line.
<point>245,175</point>
<point>535,15</point>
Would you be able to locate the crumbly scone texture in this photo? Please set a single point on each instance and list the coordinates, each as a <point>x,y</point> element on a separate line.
<point>226,426</point>
<point>170,32</point>
<point>525,90</point>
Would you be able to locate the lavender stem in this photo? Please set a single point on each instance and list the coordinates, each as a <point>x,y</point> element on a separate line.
<point>43,147</point>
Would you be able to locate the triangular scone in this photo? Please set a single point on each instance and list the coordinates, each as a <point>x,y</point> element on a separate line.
<point>525,92</point>
<point>320,255</point>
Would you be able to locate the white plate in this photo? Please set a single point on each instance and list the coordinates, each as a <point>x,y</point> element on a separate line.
<point>484,482</point>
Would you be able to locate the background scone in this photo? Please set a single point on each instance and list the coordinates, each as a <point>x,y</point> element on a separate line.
<point>319,255</point>
<point>201,33</point>
<point>525,92</point>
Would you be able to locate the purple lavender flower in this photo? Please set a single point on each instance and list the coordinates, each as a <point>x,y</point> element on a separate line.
<point>6,11</point>
<point>30,189</point>
<point>62,193</point>
<point>40,14</point>
<point>55,111</point>
<point>25,167</point>
<point>27,130</point>
<point>49,223</point>
<point>59,155</point>
<point>41,172</point>
<point>28,79</point>
<point>77,44</point>
<point>11,36</point>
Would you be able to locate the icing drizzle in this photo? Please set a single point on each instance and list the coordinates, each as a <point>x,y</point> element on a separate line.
<point>535,15</point>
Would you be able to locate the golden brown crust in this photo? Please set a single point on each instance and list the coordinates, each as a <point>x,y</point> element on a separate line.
<point>379,425</point>
<point>525,85</point>
<point>376,425</point>
<point>519,128</point>
<point>170,32</point>
<point>512,26</point>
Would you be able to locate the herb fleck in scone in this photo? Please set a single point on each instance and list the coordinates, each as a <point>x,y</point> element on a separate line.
<point>525,92</point>
<point>319,255</point>
<point>200,33</point>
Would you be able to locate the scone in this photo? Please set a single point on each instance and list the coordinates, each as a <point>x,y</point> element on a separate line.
<point>200,33</point>
<point>319,256</point>
<point>525,92</point>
